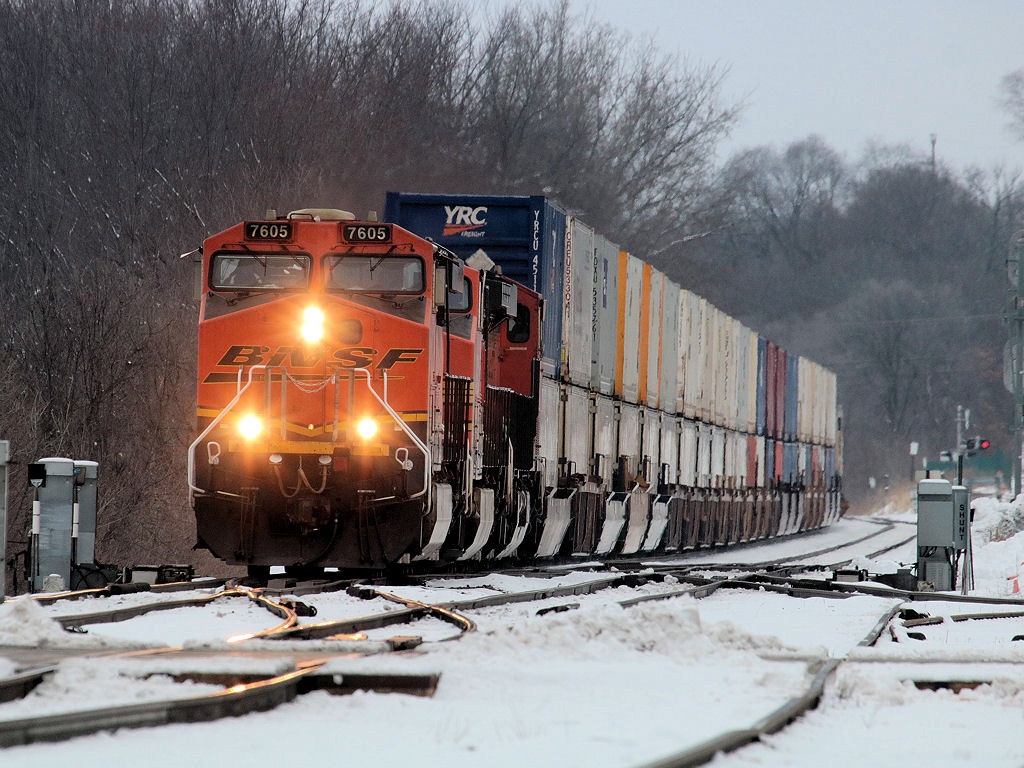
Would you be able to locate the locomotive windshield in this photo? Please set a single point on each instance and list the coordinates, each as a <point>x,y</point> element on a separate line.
<point>375,273</point>
<point>258,271</point>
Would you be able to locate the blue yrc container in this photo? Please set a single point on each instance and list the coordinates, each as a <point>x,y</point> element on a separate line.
<point>524,235</point>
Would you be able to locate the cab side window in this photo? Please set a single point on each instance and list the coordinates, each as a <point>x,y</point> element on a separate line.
<point>519,326</point>
<point>461,302</point>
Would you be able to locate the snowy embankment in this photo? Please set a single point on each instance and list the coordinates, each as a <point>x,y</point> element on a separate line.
<point>998,537</point>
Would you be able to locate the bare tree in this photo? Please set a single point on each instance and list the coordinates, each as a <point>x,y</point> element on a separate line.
<point>1011,91</point>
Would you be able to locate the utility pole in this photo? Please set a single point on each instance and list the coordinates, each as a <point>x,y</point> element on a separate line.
<point>1014,351</point>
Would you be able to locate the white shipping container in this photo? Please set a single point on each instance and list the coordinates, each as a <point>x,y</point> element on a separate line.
<point>605,316</point>
<point>670,349</point>
<point>652,443</point>
<point>727,390</point>
<point>751,427</point>
<point>550,429</point>
<point>818,416</point>
<point>742,347</point>
<point>708,352</point>
<point>670,449</point>
<point>811,400</point>
<point>831,432</point>
<point>576,448</point>
<point>688,320</point>
<point>605,437</point>
<point>730,470</point>
<point>656,314</point>
<point>803,402</point>
<point>578,302</point>
<point>741,460</point>
<point>688,453</point>
<point>739,368</point>
<point>701,357</point>
<point>719,361</point>
<point>628,353</point>
<point>703,454</point>
<point>717,455</point>
<point>629,436</point>
<point>826,394</point>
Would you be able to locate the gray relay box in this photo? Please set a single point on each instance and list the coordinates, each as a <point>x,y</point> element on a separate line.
<point>936,522</point>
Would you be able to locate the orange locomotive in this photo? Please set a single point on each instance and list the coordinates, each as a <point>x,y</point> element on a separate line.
<point>365,398</point>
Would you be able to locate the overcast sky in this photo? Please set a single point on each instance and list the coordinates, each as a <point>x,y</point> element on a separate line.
<point>851,70</point>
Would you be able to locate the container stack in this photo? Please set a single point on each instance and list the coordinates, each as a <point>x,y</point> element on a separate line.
<point>647,385</point>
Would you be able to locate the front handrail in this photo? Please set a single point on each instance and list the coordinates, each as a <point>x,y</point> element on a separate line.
<point>212,426</point>
<point>423,447</point>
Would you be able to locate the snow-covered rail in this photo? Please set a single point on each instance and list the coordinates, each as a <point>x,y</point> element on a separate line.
<point>820,671</point>
<point>239,697</point>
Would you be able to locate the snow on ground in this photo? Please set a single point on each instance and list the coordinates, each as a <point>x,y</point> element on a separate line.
<point>874,716</point>
<point>83,683</point>
<point>606,686</point>
<point>847,529</point>
<point>189,626</point>
<point>24,623</point>
<point>812,625</point>
<point>601,686</point>
<point>93,604</point>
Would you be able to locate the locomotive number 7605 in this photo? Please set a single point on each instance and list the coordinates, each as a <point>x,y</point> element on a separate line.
<point>264,230</point>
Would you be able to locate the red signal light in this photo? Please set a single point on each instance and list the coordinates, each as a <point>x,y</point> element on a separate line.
<point>985,444</point>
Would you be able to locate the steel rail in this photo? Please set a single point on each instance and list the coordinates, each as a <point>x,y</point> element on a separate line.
<point>113,590</point>
<point>131,612</point>
<point>777,719</point>
<point>239,699</point>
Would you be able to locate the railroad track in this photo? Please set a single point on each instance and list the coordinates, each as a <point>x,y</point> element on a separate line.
<point>822,669</point>
<point>241,694</point>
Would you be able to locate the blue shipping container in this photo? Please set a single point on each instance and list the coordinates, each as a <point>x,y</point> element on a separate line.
<point>769,460</point>
<point>523,235</point>
<point>790,461</point>
<point>762,384</point>
<point>830,465</point>
<point>792,382</point>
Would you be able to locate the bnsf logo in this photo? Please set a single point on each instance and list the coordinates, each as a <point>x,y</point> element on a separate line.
<point>464,220</point>
<point>347,357</point>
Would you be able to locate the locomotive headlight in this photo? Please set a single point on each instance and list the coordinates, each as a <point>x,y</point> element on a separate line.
<point>250,426</point>
<point>367,428</point>
<point>313,324</point>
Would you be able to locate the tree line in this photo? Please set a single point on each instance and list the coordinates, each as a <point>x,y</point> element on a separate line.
<point>130,130</point>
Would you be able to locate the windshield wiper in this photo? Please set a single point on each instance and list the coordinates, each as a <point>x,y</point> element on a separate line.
<point>380,260</point>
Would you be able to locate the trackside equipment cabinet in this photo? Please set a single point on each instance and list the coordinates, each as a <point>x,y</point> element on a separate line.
<point>943,531</point>
<point>63,534</point>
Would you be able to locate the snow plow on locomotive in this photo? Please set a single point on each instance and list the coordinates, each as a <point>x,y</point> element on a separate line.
<point>515,386</point>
